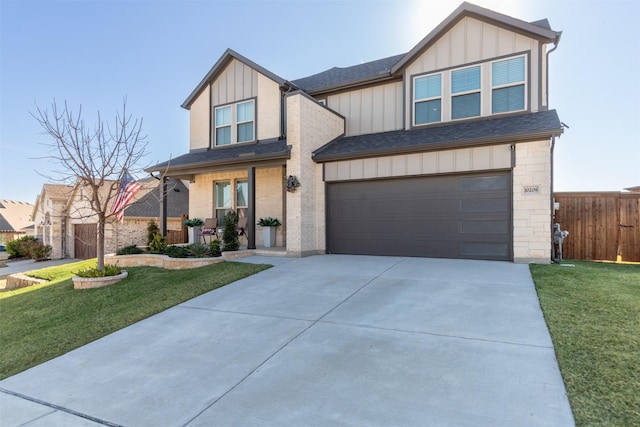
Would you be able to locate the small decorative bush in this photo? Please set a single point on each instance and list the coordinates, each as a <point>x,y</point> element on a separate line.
<point>158,245</point>
<point>109,270</point>
<point>41,252</point>
<point>195,222</point>
<point>269,222</point>
<point>129,250</point>
<point>230,239</point>
<point>214,248</point>
<point>198,250</point>
<point>177,251</point>
<point>152,229</point>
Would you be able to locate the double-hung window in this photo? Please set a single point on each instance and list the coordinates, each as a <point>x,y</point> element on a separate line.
<point>427,99</point>
<point>242,203</point>
<point>223,199</point>
<point>465,92</point>
<point>235,123</point>
<point>223,125</point>
<point>507,85</point>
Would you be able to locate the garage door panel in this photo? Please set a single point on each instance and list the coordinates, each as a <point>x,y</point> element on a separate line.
<point>454,216</point>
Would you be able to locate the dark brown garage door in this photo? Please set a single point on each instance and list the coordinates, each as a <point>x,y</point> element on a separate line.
<point>85,241</point>
<point>453,216</point>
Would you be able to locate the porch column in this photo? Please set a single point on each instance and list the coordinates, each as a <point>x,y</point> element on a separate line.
<point>163,206</point>
<point>251,211</point>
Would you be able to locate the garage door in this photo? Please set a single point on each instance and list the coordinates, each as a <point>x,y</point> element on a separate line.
<point>453,216</point>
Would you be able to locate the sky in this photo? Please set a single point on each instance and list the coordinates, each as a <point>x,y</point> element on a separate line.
<point>95,54</point>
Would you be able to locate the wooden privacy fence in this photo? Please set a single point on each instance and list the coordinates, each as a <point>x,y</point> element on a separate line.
<point>601,225</point>
<point>178,236</point>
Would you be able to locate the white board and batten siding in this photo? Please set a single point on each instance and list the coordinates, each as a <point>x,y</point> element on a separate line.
<point>237,82</point>
<point>434,162</point>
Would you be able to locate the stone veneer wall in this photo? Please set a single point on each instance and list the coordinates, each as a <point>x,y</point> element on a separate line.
<point>532,210</point>
<point>132,232</point>
<point>309,126</point>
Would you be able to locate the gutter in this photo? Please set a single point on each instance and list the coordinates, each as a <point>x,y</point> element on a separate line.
<point>436,146</point>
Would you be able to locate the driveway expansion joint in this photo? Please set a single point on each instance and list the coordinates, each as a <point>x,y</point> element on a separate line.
<point>58,408</point>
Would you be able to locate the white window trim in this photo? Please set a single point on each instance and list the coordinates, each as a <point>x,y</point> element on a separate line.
<point>486,90</point>
<point>523,82</point>
<point>432,98</point>
<point>234,122</point>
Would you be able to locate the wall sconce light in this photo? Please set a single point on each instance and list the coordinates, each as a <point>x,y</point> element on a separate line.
<point>292,183</point>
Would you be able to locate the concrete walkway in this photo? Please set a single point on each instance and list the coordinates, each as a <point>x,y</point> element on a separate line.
<point>318,341</point>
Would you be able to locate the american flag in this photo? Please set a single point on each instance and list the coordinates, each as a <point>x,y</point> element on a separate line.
<point>127,189</point>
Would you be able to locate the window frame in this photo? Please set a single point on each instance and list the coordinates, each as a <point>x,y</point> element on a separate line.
<point>523,83</point>
<point>453,95</point>
<point>234,123</point>
<point>415,101</point>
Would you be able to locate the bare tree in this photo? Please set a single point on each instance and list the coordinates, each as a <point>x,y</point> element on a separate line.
<point>94,157</point>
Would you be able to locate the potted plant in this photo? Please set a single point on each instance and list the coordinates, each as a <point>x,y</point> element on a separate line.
<point>194,228</point>
<point>269,230</point>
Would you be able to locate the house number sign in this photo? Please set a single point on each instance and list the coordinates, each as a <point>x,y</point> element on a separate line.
<point>531,189</point>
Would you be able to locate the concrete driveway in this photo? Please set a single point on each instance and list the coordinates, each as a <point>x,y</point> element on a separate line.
<point>318,341</point>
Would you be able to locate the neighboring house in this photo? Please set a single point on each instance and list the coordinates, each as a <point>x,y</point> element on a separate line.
<point>65,221</point>
<point>15,220</point>
<point>443,151</point>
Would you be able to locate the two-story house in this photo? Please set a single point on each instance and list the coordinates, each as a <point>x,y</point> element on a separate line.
<point>443,151</point>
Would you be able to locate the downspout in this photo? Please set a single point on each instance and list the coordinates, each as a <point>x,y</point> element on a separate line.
<point>553,212</point>
<point>555,46</point>
<point>553,138</point>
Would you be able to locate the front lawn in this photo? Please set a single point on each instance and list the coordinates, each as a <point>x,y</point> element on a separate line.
<point>44,321</point>
<point>593,313</point>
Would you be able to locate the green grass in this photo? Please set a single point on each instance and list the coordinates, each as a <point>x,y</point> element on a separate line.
<point>45,321</point>
<point>593,313</point>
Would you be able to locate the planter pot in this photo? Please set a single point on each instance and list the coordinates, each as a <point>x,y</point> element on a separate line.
<point>97,282</point>
<point>194,234</point>
<point>269,236</point>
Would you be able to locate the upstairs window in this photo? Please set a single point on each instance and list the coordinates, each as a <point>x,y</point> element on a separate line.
<point>235,123</point>
<point>427,98</point>
<point>465,91</point>
<point>507,85</point>
<point>223,125</point>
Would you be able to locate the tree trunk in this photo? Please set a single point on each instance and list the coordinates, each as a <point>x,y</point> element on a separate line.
<point>100,243</point>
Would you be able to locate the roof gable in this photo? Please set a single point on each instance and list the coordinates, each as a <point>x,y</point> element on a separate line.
<point>536,30</point>
<point>220,65</point>
<point>15,216</point>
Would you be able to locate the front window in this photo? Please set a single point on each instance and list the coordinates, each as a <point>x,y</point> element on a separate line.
<point>427,99</point>
<point>223,200</point>
<point>465,90</point>
<point>507,82</point>
<point>235,123</point>
<point>242,203</point>
<point>223,125</point>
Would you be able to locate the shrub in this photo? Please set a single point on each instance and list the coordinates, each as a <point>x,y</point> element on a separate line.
<point>109,270</point>
<point>158,245</point>
<point>152,229</point>
<point>41,252</point>
<point>21,247</point>
<point>177,251</point>
<point>230,232</point>
<point>214,248</point>
<point>129,250</point>
<point>198,250</point>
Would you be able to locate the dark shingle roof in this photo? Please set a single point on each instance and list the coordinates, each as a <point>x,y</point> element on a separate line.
<point>338,76</point>
<point>236,153</point>
<point>149,204</point>
<point>4,224</point>
<point>510,128</point>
